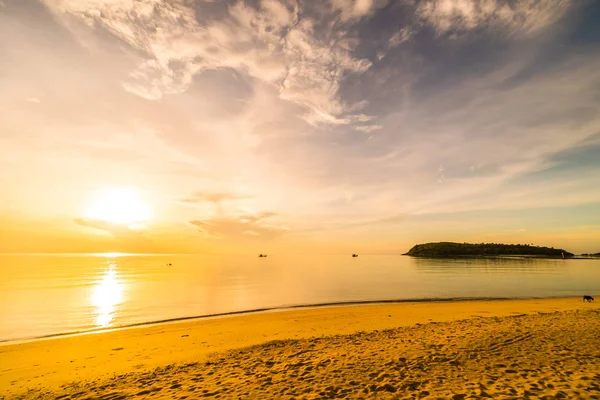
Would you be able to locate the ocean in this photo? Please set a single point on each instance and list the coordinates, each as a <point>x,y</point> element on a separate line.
<point>43,295</point>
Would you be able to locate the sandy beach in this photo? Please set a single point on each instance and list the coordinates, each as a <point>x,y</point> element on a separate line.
<point>546,348</point>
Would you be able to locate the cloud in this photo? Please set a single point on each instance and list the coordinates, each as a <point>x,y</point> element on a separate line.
<point>116,229</point>
<point>249,226</point>
<point>123,236</point>
<point>368,128</point>
<point>272,42</point>
<point>212,197</point>
<point>33,100</point>
<point>458,16</point>
<point>355,9</point>
<point>402,36</point>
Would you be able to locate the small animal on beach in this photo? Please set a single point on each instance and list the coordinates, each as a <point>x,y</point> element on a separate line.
<point>588,298</point>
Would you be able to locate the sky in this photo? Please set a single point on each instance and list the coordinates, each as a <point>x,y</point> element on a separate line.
<point>183,126</point>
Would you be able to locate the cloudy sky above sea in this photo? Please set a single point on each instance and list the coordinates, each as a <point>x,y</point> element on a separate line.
<point>264,126</point>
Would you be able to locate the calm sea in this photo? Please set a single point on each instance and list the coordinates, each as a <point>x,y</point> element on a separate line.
<point>50,294</point>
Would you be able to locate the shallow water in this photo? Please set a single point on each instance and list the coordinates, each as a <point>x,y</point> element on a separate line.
<point>49,294</point>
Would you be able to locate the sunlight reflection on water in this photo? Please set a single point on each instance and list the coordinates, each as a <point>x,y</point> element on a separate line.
<point>89,291</point>
<point>106,295</point>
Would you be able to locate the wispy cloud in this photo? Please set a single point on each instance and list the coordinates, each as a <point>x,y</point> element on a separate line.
<point>212,197</point>
<point>459,16</point>
<point>248,226</point>
<point>271,43</point>
<point>116,229</point>
<point>355,9</point>
<point>402,36</point>
<point>368,128</point>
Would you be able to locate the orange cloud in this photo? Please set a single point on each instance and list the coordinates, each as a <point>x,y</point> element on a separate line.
<point>244,226</point>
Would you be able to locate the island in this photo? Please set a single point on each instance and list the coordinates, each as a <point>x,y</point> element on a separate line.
<point>591,254</point>
<point>451,249</point>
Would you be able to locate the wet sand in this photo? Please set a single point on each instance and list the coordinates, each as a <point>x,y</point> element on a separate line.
<point>469,349</point>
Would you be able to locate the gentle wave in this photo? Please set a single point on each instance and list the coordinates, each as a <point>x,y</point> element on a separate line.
<point>42,296</point>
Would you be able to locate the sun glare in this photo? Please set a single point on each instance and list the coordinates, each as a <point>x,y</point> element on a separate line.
<point>120,206</point>
<point>106,295</point>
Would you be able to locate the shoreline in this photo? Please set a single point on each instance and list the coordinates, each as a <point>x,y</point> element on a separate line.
<point>8,342</point>
<point>122,354</point>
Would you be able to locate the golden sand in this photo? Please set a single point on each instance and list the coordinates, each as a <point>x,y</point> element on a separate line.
<point>449,350</point>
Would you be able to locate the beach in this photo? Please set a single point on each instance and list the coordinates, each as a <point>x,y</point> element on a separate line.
<point>538,348</point>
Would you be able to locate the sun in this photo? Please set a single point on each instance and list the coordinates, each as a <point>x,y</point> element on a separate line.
<point>119,206</point>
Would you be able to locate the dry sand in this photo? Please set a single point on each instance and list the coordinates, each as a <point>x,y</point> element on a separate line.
<point>472,349</point>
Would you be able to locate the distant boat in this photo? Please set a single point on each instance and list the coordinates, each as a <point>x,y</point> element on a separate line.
<point>262,255</point>
<point>354,255</point>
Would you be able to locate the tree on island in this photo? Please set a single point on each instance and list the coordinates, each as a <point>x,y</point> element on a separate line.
<point>450,249</point>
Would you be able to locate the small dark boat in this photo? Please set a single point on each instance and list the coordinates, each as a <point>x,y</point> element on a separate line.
<point>262,255</point>
<point>354,255</point>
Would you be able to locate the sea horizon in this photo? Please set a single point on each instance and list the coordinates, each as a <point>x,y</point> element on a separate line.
<point>57,294</point>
